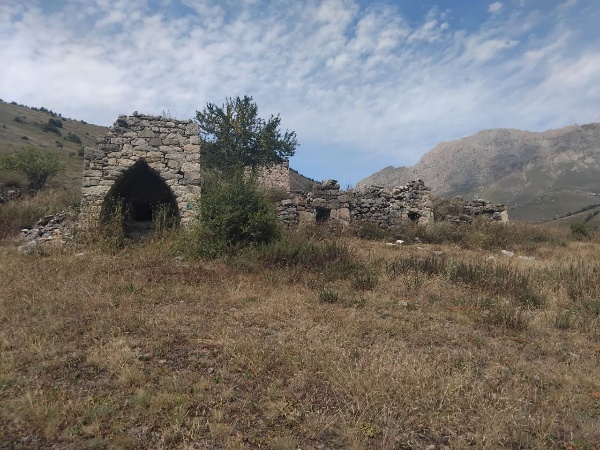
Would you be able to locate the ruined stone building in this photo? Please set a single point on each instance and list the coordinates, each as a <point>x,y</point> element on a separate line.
<point>147,164</point>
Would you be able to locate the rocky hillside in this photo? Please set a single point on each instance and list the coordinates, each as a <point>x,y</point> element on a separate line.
<point>538,175</point>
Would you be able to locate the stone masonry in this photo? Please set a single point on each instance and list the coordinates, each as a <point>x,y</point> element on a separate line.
<point>383,207</point>
<point>162,150</point>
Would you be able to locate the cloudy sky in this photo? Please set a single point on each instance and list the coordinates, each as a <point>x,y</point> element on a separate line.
<point>365,84</point>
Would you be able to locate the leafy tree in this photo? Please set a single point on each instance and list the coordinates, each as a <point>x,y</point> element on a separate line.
<point>38,166</point>
<point>234,137</point>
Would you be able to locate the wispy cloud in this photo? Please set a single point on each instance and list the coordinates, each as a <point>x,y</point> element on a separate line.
<point>495,7</point>
<point>364,87</point>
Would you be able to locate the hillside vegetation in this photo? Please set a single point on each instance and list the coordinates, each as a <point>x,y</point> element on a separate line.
<point>21,125</point>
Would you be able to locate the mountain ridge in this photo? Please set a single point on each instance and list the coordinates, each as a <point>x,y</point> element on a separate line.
<point>517,167</point>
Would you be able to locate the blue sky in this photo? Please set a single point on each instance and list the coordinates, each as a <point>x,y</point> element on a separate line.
<point>365,84</point>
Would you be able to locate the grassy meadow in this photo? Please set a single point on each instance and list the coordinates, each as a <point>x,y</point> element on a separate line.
<point>321,340</point>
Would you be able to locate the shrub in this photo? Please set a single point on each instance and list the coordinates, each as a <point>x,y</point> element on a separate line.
<point>56,122</point>
<point>48,127</point>
<point>37,165</point>
<point>73,138</point>
<point>20,119</point>
<point>234,213</point>
<point>81,152</point>
<point>579,231</point>
<point>329,296</point>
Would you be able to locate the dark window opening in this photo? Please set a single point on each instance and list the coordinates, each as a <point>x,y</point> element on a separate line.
<point>141,198</point>
<point>414,216</point>
<point>322,214</point>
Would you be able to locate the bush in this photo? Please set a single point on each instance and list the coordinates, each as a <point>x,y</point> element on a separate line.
<point>56,122</point>
<point>234,213</point>
<point>579,231</point>
<point>48,127</point>
<point>37,165</point>
<point>73,138</point>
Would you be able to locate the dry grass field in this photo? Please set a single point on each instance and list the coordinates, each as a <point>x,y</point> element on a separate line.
<point>316,342</point>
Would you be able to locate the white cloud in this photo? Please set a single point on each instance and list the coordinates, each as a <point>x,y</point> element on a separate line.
<point>363,88</point>
<point>495,7</point>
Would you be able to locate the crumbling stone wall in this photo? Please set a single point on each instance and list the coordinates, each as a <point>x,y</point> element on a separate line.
<point>169,148</point>
<point>465,211</point>
<point>383,207</point>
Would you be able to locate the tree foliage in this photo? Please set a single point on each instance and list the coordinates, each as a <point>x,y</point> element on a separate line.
<point>37,165</point>
<point>234,137</point>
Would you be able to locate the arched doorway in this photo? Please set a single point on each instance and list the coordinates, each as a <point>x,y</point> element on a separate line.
<point>143,200</point>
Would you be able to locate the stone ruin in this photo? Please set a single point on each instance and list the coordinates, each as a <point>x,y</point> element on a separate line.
<point>458,210</point>
<point>148,164</point>
<point>383,207</point>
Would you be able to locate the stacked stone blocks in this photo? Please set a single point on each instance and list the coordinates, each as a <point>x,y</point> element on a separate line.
<point>169,147</point>
<point>383,207</point>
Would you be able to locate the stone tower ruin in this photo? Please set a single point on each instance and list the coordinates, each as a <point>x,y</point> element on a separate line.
<point>145,164</point>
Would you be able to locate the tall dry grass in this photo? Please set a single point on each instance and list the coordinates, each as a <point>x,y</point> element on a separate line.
<point>323,342</point>
<point>26,211</point>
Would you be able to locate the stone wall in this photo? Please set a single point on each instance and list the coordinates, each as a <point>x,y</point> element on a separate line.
<point>465,211</point>
<point>276,177</point>
<point>164,151</point>
<point>384,207</point>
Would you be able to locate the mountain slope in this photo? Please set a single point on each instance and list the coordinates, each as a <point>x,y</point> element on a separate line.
<point>538,175</point>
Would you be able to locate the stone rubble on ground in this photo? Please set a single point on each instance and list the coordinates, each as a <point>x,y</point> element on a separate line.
<point>56,230</point>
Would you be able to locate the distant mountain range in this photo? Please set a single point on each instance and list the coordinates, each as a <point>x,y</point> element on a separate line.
<point>539,176</point>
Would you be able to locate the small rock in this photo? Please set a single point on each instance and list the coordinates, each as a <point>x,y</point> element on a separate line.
<point>79,254</point>
<point>420,248</point>
<point>162,361</point>
<point>492,257</point>
<point>430,447</point>
<point>527,258</point>
<point>438,252</point>
<point>399,241</point>
<point>507,253</point>
<point>390,244</point>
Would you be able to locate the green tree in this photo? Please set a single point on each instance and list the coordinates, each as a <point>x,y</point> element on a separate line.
<point>37,165</point>
<point>234,137</point>
<point>233,213</point>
